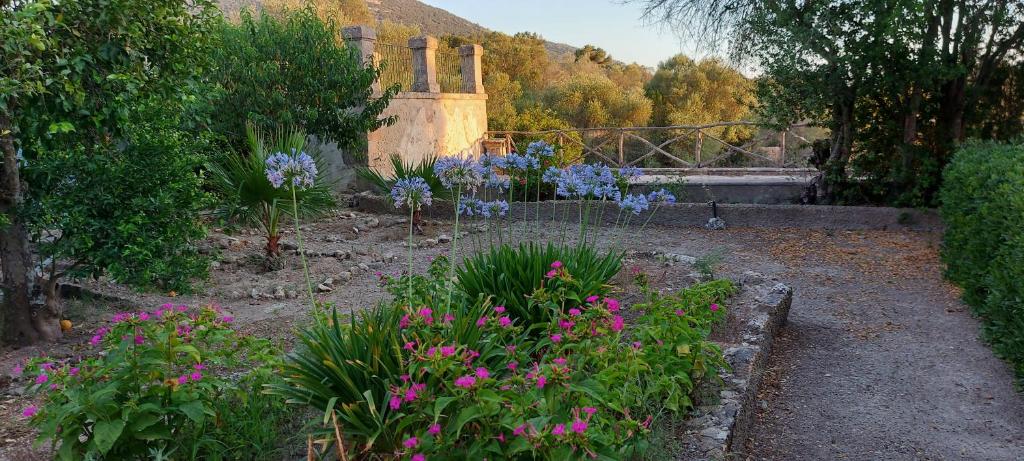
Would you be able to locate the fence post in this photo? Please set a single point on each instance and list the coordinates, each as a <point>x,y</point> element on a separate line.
<point>698,147</point>
<point>424,64</point>
<point>622,150</point>
<point>364,40</point>
<point>472,69</point>
<point>782,147</point>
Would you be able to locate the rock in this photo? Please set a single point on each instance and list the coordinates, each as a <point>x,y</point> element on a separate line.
<point>364,267</point>
<point>388,257</point>
<point>254,294</point>
<point>235,294</point>
<point>345,276</point>
<point>279,292</point>
<point>444,238</point>
<point>288,246</point>
<point>361,251</point>
<point>329,281</point>
<point>292,294</point>
<point>428,242</point>
<point>376,265</point>
<point>715,224</point>
<point>215,265</point>
<point>321,288</point>
<point>341,254</point>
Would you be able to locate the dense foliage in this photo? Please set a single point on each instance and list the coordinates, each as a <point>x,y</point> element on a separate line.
<point>898,83</point>
<point>983,207</point>
<point>169,384</point>
<point>74,76</point>
<point>293,71</point>
<point>418,378</point>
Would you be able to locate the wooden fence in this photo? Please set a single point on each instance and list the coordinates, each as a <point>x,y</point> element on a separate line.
<point>690,146</point>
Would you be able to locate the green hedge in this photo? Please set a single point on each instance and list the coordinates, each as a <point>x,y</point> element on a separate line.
<point>983,206</point>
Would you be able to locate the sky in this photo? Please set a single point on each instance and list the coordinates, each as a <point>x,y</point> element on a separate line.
<point>614,25</point>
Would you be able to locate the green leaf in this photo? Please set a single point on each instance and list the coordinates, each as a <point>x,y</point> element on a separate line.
<point>466,415</point>
<point>105,433</point>
<point>440,404</point>
<point>194,410</point>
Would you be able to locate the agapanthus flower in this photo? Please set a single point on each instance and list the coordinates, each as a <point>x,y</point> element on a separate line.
<point>469,206</point>
<point>540,149</point>
<point>494,208</point>
<point>551,175</point>
<point>630,172</point>
<point>661,196</point>
<point>411,192</point>
<point>296,168</point>
<point>633,203</point>
<point>519,162</point>
<point>489,161</point>
<point>456,171</point>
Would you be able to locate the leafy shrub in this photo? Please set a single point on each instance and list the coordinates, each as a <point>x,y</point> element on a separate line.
<point>164,383</point>
<point>469,382</point>
<point>509,274</point>
<point>249,198</point>
<point>131,212</point>
<point>293,71</point>
<point>983,207</point>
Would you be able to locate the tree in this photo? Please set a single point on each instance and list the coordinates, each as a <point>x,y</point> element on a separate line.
<point>685,92</point>
<point>592,100</point>
<point>293,72</point>
<point>593,54</point>
<point>897,82</point>
<point>71,75</point>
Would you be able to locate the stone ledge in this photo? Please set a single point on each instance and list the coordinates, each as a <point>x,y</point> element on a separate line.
<point>449,96</point>
<point>718,429</point>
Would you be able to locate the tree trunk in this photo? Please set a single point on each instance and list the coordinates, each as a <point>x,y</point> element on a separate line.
<point>841,146</point>
<point>22,323</point>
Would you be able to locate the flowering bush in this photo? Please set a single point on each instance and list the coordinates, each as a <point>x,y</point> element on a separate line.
<point>155,388</point>
<point>420,379</point>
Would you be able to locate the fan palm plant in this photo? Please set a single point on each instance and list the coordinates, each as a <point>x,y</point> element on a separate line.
<point>406,170</point>
<point>249,198</point>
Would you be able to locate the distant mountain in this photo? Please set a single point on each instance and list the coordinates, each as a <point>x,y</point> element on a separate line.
<point>431,20</point>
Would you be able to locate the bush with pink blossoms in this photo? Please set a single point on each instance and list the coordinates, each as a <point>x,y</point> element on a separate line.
<point>417,379</point>
<point>161,383</point>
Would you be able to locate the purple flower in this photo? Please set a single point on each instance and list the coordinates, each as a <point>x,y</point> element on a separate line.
<point>558,430</point>
<point>434,429</point>
<point>459,171</point>
<point>411,192</point>
<point>299,169</point>
<point>634,203</point>
<point>661,196</point>
<point>579,426</point>
<point>575,312</point>
<point>556,338</point>
<point>499,309</point>
<point>196,376</point>
<point>505,321</point>
<point>395,402</point>
<point>482,373</point>
<point>418,457</point>
<point>410,442</point>
<point>182,379</point>
<point>42,378</point>
<point>465,382</point>
<point>30,411</point>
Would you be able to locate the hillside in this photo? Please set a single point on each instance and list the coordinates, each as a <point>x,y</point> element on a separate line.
<point>431,20</point>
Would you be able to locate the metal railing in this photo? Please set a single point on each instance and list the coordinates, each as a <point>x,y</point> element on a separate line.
<point>715,145</point>
<point>449,71</point>
<point>396,65</point>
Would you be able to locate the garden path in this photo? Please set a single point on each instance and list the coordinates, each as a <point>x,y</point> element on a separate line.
<point>880,359</point>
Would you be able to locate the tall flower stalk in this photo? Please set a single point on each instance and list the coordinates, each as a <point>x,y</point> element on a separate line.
<point>458,174</point>
<point>412,193</point>
<point>298,171</point>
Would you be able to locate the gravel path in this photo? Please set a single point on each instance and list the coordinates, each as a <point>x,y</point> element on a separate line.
<point>880,359</point>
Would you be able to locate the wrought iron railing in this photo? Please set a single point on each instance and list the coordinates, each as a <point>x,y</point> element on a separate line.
<point>396,65</point>
<point>722,145</point>
<point>449,71</point>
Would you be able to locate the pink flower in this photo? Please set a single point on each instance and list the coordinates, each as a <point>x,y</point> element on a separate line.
<point>558,430</point>
<point>593,299</point>
<point>418,387</point>
<point>47,366</point>
<point>618,323</point>
<point>471,355</point>
<point>505,321</point>
<point>447,351</point>
<point>227,319</point>
<point>448,318</point>
<point>556,264</point>
<point>182,379</point>
<point>30,411</point>
<point>425,312</point>
<point>395,402</point>
<point>589,411</point>
<point>405,378</point>
<point>431,351</point>
<point>481,321</point>
<point>465,382</point>
<point>512,365</point>
<point>499,309</point>
<point>501,437</point>
<point>559,361</point>
<point>482,373</point>
<point>556,338</point>
<point>196,376</point>
<point>410,395</point>
<point>551,274</point>
<point>17,369</point>
<point>541,381</point>
<point>519,431</point>
<point>139,339</point>
<point>404,321</point>
<point>199,366</point>
<point>510,348</point>
<point>95,341</point>
<point>411,442</point>
<point>579,426</point>
<point>714,307</point>
<point>637,344</point>
<point>613,304</point>
<point>434,429</point>
<point>575,312</point>
<point>680,312</point>
<point>73,371</point>
<point>418,457</point>
<point>144,316</point>
<point>566,324</point>
<point>410,345</point>
<point>182,308</point>
<point>42,378</point>
<point>53,386</point>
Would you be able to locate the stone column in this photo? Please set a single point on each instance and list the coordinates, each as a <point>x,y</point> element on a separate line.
<point>472,69</point>
<point>424,64</point>
<point>364,40</point>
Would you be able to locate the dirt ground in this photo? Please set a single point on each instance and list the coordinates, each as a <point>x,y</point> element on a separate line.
<point>879,361</point>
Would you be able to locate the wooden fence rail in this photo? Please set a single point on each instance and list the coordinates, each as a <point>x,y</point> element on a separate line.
<point>678,145</point>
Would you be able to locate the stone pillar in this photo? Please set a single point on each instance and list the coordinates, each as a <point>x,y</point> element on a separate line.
<point>364,40</point>
<point>424,64</point>
<point>472,69</point>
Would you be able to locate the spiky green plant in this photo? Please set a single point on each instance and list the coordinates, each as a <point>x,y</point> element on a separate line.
<point>248,197</point>
<point>406,170</point>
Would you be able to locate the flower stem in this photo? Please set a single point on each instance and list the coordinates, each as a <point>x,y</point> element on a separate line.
<point>302,251</point>
<point>455,246</point>
<point>412,211</point>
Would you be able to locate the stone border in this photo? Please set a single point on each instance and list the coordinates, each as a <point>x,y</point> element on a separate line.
<point>713,431</point>
<point>735,215</point>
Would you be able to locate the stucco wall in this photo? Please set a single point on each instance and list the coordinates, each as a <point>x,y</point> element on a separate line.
<point>429,124</point>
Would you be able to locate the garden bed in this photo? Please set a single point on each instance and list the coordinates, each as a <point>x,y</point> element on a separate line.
<point>353,249</point>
